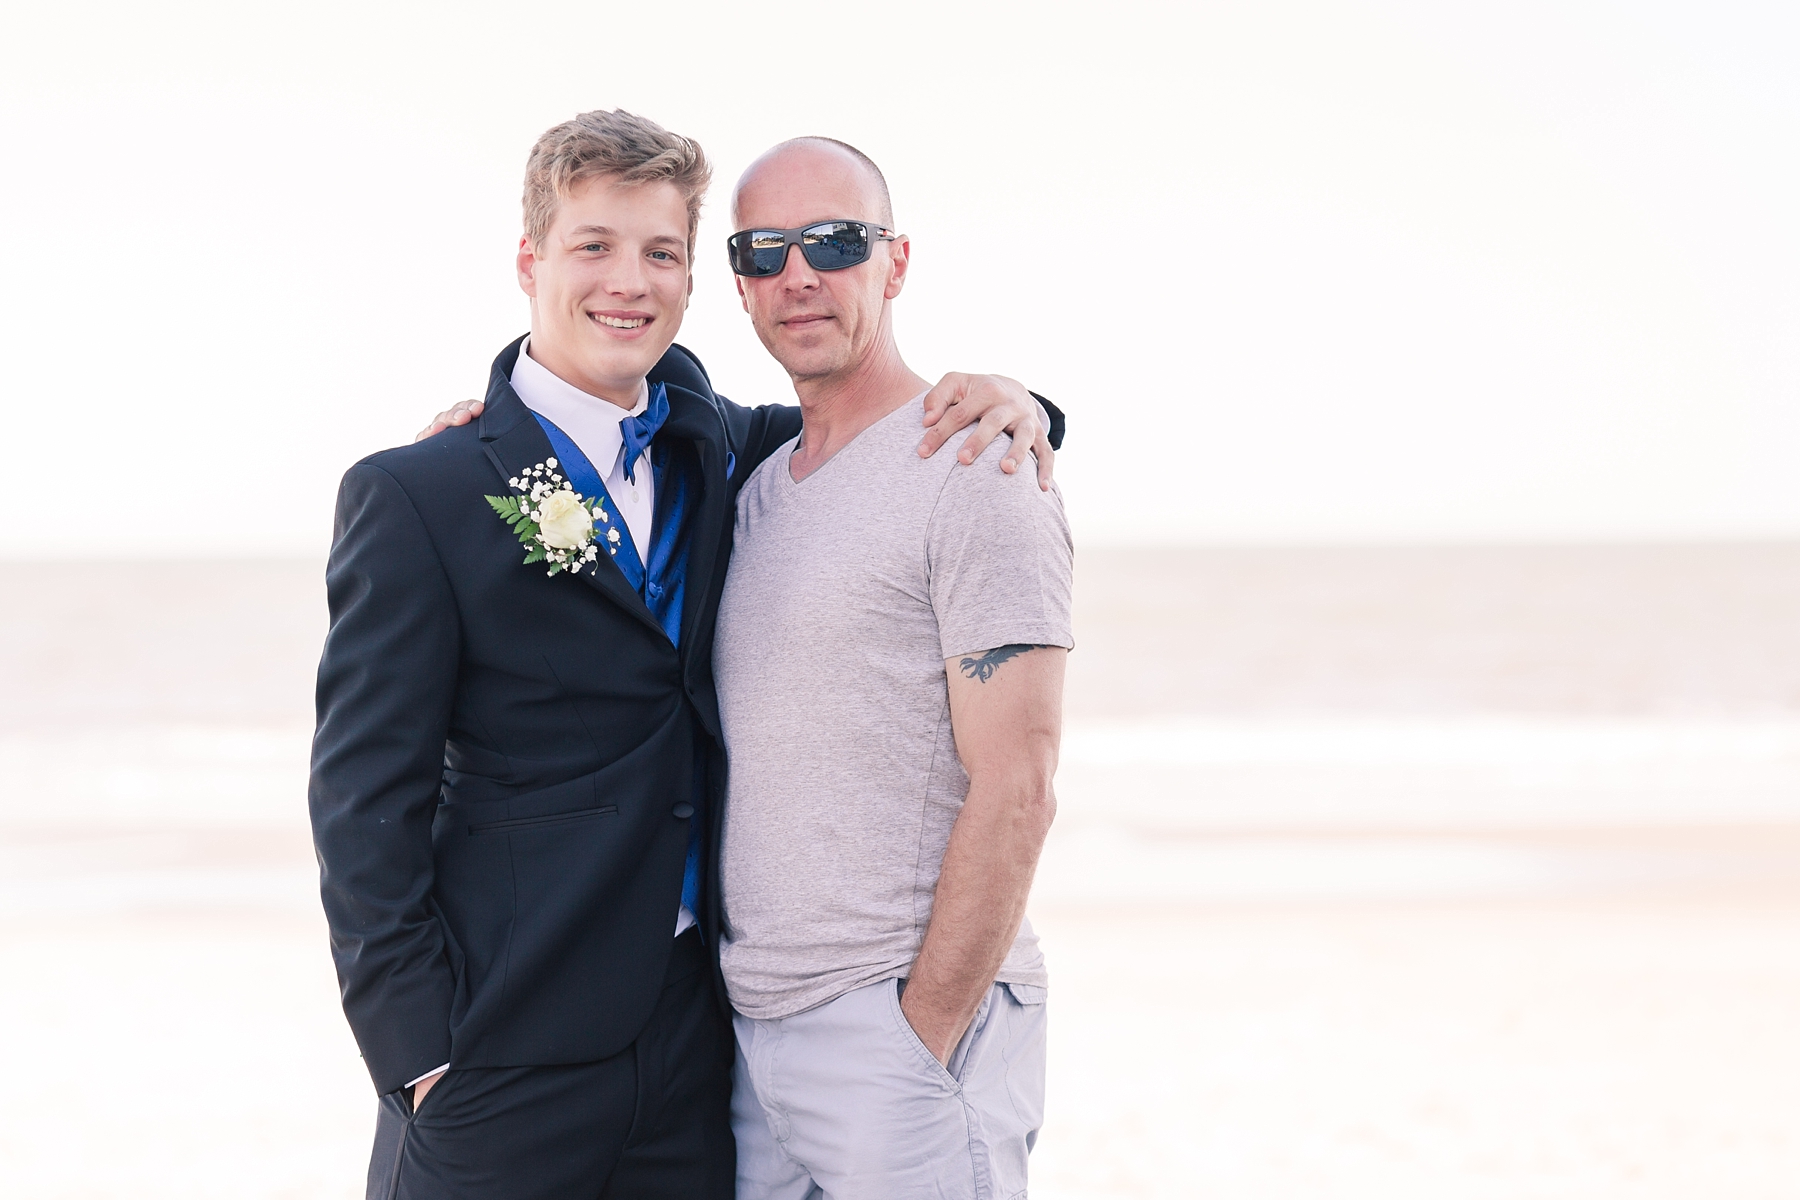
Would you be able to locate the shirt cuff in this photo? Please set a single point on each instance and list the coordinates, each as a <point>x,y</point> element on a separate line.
<point>428,1075</point>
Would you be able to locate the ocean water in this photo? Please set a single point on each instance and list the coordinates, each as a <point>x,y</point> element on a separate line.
<point>1383,873</point>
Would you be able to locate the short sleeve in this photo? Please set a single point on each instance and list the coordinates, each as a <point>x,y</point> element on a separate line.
<point>1000,559</point>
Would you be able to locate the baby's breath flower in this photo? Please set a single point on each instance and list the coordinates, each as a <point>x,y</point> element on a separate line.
<point>553,520</point>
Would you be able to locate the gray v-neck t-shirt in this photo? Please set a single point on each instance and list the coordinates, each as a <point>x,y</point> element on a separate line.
<point>846,593</point>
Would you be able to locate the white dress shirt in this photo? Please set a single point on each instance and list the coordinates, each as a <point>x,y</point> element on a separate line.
<point>593,424</point>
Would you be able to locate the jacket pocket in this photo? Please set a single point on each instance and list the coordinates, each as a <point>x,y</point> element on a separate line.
<point>580,814</point>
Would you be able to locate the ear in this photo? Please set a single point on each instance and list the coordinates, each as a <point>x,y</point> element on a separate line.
<point>899,260</point>
<point>526,264</point>
<point>738,281</point>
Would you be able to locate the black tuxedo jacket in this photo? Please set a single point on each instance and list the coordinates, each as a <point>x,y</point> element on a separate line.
<point>503,759</point>
<point>500,755</point>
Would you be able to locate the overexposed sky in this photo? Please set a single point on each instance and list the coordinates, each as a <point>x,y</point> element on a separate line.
<point>1299,272</point>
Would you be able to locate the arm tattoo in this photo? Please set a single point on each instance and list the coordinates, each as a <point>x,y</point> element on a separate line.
<point>982,669</point>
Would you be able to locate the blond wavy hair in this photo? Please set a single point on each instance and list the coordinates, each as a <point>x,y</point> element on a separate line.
<point>634,148</point>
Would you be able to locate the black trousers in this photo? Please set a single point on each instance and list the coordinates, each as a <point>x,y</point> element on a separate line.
<point>653,1120</point>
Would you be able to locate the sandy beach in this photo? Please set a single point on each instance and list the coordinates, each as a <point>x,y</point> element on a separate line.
<point>1377,873</point>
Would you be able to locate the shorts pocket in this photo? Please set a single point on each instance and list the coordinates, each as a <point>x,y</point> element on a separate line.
<point>1027,993</point>
<point>909,1038</point>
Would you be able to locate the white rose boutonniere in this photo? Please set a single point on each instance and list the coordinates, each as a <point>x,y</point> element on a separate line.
<point>562,521</point>
<point>554,522</point>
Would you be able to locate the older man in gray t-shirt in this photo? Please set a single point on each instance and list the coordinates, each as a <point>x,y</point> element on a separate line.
<point>889,663</point>
<point>852,596</point>
<point>848,593</point>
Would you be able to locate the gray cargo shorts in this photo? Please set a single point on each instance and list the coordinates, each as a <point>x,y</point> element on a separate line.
<point>843,1101</point>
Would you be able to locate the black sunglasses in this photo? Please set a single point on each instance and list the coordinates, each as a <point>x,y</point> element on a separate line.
<point>828,246</point>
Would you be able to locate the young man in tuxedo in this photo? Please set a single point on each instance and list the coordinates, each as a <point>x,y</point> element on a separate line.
<point>517,775</point>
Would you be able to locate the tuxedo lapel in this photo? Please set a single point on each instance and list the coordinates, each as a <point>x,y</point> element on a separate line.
<point>696,420</point>
<point>514,442</point>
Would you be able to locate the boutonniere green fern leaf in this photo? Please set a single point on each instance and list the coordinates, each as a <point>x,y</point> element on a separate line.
<point>554,522</point>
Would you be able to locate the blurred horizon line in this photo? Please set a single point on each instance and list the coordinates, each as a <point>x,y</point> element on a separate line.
<point>1773,540</point>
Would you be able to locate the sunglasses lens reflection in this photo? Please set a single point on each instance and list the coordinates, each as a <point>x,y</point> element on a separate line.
<point>835,244</point>
<point>828,246</point>
<point>757,252</point>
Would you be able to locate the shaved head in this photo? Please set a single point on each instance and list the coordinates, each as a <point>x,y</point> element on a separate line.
<point>823,325</point>
<point>880,204</point>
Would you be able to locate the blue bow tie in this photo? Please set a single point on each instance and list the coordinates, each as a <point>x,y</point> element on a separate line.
<point>638,431</point>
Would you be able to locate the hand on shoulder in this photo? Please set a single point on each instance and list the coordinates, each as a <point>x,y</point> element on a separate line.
<point>994,404</point>
<point>460,413</point>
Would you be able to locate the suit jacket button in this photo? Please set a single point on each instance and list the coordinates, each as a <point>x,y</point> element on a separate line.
<point>683,811</point>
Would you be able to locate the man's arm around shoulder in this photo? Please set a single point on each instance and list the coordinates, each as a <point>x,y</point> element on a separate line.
<point>1006,711</point>
<point>386,685</point>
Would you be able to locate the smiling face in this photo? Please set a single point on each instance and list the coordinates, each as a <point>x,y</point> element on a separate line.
<point>608,284</point>
<point>818,324</point>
